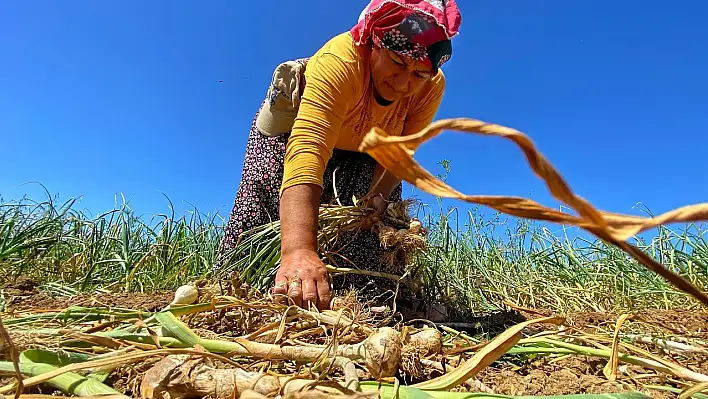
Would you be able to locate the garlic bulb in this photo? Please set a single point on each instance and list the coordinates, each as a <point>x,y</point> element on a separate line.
<point>185,295</point>
<point>427,341</point>
<point>415,227</point>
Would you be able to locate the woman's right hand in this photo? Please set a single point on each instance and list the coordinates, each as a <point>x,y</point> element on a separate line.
<point>302,276</point>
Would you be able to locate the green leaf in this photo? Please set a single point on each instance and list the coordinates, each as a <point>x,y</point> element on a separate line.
<point>177,329</point>
<point>70,383</point>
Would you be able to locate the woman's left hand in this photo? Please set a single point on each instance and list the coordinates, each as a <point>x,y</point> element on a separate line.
<point>379,205</point>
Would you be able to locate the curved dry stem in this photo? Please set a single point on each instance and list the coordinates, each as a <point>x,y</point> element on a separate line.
<point>396,155</point>
<point>14,357</point>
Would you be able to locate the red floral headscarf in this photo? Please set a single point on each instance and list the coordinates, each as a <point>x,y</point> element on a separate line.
<point>420,29</point>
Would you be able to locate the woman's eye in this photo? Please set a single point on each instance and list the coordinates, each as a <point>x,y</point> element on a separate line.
<point>397,62</point>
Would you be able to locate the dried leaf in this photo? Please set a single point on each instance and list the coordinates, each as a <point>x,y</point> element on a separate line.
<point>486,356</point>
<point>168,378</point>
<point>698,388</point>
<point>610,369</point>
<point>6,340</point>
<point>396,155</point>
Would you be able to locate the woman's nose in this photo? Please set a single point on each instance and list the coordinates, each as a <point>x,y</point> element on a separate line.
<point>400,81</point>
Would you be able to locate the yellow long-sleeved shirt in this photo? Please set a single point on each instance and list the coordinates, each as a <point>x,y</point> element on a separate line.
<point>338,108</point>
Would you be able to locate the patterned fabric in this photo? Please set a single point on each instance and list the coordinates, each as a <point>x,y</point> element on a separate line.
<point>257,203</point>
<point>419,29</point>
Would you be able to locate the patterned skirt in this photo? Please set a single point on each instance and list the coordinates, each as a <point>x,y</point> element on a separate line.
<point>257,202</point>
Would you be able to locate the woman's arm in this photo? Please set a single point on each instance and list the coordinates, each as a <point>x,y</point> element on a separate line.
<point>299,207</point>
<point>329,91</point>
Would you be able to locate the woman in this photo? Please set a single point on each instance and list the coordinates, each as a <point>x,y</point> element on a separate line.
<point>383,72</point>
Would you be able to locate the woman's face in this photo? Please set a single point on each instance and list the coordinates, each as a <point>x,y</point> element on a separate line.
<point>396,76</point>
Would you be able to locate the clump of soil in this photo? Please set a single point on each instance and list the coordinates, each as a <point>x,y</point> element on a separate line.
<point>690,324</point>
<point>574,375</point>
<point>22,284</point>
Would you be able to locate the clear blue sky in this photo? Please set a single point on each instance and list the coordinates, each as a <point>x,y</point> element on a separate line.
<point>101,98</point>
